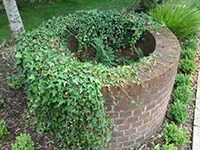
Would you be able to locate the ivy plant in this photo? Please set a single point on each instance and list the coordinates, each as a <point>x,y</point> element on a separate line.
<point>64,86</point>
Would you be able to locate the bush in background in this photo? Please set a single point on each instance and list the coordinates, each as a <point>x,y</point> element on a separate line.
<point>146,5</point>
<point>181,20</point>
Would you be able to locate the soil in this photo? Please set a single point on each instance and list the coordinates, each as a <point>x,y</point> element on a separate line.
<point>16,103</point>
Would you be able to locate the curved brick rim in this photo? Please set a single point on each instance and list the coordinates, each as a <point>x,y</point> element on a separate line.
<point>137,122</point>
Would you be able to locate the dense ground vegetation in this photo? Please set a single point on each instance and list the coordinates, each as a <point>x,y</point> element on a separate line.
<point>64,88</point>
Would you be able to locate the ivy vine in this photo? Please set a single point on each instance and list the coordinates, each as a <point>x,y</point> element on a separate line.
<point>64,91</point>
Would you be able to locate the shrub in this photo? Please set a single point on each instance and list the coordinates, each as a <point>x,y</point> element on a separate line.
<point>178,112</point>
<point>187,66</point>
<point>182,94</point>
<point>64,91</point>
<point>146,5</point>
<point>23,142</point>
<point>188,54</point>
<point>191,44</point>
<point>182,80</point>
<point>3,130</point>
<point>169,147</point>
<point>181,20</point>
<point>174,135</point>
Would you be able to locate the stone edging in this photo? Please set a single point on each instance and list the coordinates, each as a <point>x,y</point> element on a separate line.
<point>196,127</point>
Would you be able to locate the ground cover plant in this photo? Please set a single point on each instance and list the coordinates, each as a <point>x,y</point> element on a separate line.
<point>64,86</point>
<point>3,130</point>
<point>178,112</point>
<point>182,80</point>
<point>23,142</point>
<point>187,66</point>
<point>174,135</point>
<point>182,93</point>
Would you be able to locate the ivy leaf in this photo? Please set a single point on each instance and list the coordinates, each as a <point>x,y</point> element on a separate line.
<point>132,101</point>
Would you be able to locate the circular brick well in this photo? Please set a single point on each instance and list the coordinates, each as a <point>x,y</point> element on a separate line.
<point>136,122</point>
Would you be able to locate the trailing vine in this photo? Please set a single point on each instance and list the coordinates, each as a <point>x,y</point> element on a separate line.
<point>64,91</point>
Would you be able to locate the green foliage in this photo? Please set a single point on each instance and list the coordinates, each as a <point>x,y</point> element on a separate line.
<point>103,56</point>
<point>182,94</point>
<point>64,92</point>
<point>146,5</point>
<point>3,130</point>
<point>23,142</point>
<point>174,135</point>
<point>169,147</point>
<point>191,44</point>
<point>2,103</point>
<point>188,54</point>
<point>187,66</point>
<point>188,3</point>
<point>157,147</point>
<point>178,112</point>
<point>15,81</point>
<point>108,31</point>
<point>21,2</point>
<point>182,80</point>
<point>181,20</point>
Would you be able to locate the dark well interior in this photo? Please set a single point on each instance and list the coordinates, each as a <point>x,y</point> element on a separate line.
<point>147,44</point>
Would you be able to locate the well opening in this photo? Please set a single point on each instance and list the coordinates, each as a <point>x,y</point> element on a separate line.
<point>120,55</point>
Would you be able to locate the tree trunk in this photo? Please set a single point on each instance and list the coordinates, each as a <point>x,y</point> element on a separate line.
<point>14,18</point>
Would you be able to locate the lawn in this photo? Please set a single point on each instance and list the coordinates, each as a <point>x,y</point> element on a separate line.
<point>33,14</point>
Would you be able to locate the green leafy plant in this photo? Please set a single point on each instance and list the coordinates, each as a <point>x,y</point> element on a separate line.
<point>188,54</point>
<point>191,44</point>
<point>178,112</point>
<point>169,147</point>
<point>182,80</point>
<point>15,81</point>
<point>3,130</point>
<point>182,94</point>
<point>187,66</point>
<point>2,103</point>
<point>23,142</point>
<point>64,86</point>
<point>157,147</point>
<point>174,135</point>
<point>181,20</point>
<point>103,56</point>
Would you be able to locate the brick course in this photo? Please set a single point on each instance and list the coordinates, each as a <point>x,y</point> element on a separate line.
<point>137,122</point>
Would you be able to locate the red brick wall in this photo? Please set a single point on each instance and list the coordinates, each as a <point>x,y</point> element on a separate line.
<point>137,122</point>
